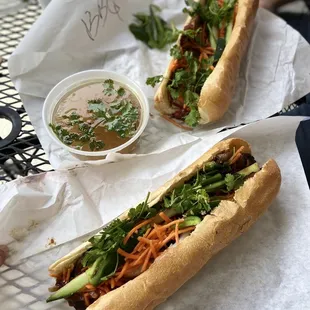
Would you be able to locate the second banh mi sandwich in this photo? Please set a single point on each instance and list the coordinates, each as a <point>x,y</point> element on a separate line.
<point>143,257</point>
<point>199,82</point>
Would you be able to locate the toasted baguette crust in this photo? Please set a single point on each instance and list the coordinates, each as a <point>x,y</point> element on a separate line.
<point>226,222</point>
<point>216,94</point>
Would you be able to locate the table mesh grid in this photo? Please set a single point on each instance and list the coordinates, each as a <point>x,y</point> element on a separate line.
<point>24,156</point>
<point>24,285</point>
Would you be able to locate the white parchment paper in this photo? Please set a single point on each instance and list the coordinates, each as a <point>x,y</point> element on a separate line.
<point>266,268</point>
<point>71,36</point>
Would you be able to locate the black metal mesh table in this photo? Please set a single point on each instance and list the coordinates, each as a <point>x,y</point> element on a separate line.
<point>24,155</point>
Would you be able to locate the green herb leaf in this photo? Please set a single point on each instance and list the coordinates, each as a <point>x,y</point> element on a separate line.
<point>173,92</point>
<point>233,182</point>
<point>63,134</point>
<point>121,91</point>
<point>152,29</point>
<point>95,145</point>
<point>108,86</point>
<point>210,12</point>
<point>192,119</point>
<point>154,80</point>
<point>191,98</point>
<point>123,120</point>
<point>95,101</point>
<point>142,211</point>
<point>175,52</point>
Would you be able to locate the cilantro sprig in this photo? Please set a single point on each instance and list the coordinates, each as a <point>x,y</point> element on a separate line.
<point>211,12</point>
<point>152,29</point>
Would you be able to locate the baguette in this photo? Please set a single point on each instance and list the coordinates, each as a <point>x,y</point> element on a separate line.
<point>178,264</point>
<point>217,91</point>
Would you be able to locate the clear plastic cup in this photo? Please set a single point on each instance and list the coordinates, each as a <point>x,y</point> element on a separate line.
<point>72,82</point>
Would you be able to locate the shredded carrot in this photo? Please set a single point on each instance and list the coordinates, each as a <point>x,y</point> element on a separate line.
<point>211,68</point>
<point>171,224</point>
<point>139,246</point>
<point>156,232</point>
<point>136,228</point>
<point>86,299</point>
<point>177,233</point>
<point>172,121</point>
<point>236,158</point>
<point>237,154</point>
<point>147,232</point>
<point>139,260</point>
<point>153,250</point>
<point>164,217</point>
<point>144,266</point>
<point>90,287</point>
<point>173,65</point>
<point>127,255</point>
<point>122,272</point>
<point>112,282</point>
<point>169,238</point>
<point>145,240</point>
<point>182,231</point>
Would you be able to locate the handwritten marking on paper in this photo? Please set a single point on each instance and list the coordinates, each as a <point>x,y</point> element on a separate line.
<point>104,9</point>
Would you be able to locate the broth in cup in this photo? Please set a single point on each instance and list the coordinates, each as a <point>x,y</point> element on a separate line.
<point>97,116</point>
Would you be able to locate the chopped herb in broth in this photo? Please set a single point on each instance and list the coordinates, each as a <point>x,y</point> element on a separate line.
<point>97,116</point>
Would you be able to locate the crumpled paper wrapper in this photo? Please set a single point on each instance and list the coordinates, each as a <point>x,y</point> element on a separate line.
<point>72,36</point>
<point>266,268</point>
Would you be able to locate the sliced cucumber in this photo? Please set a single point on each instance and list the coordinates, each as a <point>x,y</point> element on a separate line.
<point>100,268</point>
<point>70,288</point>
<point>95,273</point>
<point>248,170</point>
<point>190,221</point>
<point>229,29</point>
<point>213,36</point>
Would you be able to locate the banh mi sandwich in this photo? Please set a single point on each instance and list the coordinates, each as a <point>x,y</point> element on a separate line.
<point>143,257</point>
<point>199,82</point>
